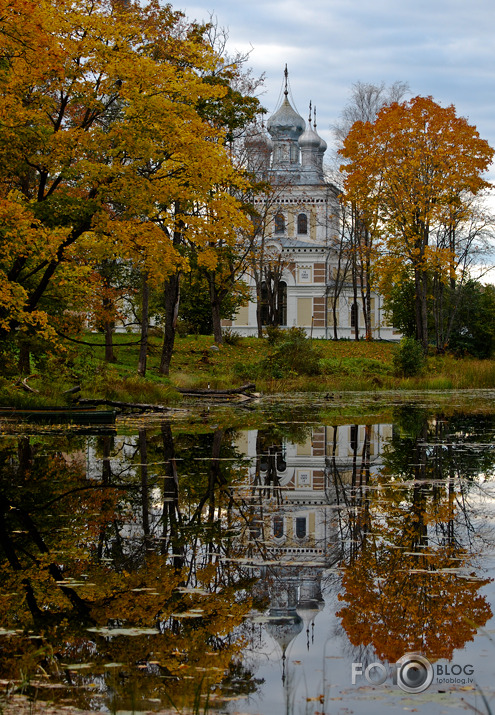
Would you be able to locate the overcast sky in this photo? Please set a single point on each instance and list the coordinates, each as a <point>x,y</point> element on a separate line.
<point>442,48</point>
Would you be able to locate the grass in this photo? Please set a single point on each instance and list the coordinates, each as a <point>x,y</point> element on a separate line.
<point>196,363</point>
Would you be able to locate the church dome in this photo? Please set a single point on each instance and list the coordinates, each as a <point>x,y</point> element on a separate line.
<point>284,629</point>
<point>309,140</point>
<point>286,123</point>
<point>259,141</point>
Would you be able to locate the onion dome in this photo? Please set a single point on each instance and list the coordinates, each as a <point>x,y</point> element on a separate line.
<point>259,141</point>
<point>310,140</point>
<point>283,628</point>
<point>259,147</point>
<point>286,123</point>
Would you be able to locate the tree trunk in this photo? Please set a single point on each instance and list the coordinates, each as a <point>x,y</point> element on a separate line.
<point>143,458</point>
<point>334,315</point>
<point>356,310</point>
<point>108,328</point>
<point>258,317</point>
<point>420,307</point>
<point>215,304</point>
<point>171,301</point>
<point>108,305</point>
<point>424,308</point>
<point>24,359</point>
<point>367,302</point>
<point>145,324</point>
<point>171,534</point>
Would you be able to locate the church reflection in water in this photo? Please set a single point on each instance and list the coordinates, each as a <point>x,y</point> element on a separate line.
<point>296,493</point>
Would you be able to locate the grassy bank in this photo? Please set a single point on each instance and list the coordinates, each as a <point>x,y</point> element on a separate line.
<point>197,363</point>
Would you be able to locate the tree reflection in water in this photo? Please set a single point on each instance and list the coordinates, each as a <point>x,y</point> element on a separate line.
<point>148,569</point>
<point>409,582</point>
<point>121,572</point>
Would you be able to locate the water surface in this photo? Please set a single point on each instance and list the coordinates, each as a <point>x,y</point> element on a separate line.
<point>241,560</point>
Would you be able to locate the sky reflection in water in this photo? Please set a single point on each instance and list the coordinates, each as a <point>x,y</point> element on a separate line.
<point>193,565</point>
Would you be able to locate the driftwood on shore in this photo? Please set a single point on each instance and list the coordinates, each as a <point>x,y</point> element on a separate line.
<point>245,390</point>
<point>23,382</point>
<point>124,405</point>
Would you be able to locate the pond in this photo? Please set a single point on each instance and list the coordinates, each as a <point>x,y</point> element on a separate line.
<point>321,554</point>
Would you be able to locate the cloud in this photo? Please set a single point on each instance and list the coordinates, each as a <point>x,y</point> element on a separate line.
<point>442,48</point>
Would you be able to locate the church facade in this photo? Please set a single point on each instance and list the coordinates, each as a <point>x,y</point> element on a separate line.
<point>299,269</point>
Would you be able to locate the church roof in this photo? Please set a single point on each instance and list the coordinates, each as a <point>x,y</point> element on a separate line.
<point>286,122</point>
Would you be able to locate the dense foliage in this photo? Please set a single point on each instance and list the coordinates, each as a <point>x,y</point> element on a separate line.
<point>411,175</point>
<point>113,149</point>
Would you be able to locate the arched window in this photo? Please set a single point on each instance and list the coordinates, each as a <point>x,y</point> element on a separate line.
<point>279,223</point>
<point>278,311</point>
<point>254,529</point>
<point>353,438</point>
<point>302,224</point>
<point>281,459</point>
<point>278,526</point>
<point>257,223</point>
<point>301,527</point>
<point>354,315</point>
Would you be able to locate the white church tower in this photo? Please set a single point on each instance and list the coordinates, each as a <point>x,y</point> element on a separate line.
<point>299,234</point>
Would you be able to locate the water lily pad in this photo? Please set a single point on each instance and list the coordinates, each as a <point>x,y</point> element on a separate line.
<point>188,614</point>
<point>124,631</point>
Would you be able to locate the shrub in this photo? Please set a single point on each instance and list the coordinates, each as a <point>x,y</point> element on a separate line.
<point>409,358</point>
<point>294,354</point>
<point>231,337</point>
<point>274,334</point>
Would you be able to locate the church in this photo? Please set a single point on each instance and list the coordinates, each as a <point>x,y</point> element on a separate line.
<point>299,271</point>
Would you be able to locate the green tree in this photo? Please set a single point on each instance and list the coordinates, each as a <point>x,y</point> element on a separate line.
<point>473,329</point>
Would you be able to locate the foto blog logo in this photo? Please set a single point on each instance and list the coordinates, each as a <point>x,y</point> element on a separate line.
<point>413,673</point>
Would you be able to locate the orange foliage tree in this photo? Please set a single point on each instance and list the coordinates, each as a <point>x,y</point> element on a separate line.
<point>415,167</point>
<point>104,152</point>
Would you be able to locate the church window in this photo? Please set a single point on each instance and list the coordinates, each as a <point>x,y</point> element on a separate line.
<point>278,527</point>
<point>255,529</point>
<point>279,223</point>
<point>354,315</point>
<point>301,527</point>
<point>302,224</point>
<point>353,438</point>
<point>257,223</point>
<point>274,312</point>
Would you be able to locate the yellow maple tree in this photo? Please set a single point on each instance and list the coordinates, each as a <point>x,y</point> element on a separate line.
<point>415,167</point>
<point>104,152</point>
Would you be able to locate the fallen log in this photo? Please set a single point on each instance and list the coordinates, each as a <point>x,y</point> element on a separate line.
<point>234,391</point>
<point>24,384</point>
<point>72,390</point>
<point>124,405</point>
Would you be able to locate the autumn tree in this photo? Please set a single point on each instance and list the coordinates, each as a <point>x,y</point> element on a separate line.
<point>104,151</point>
<point>407,171</point>
<point>85,547</point>
<point>358,242</point>
<point>234,114</point>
